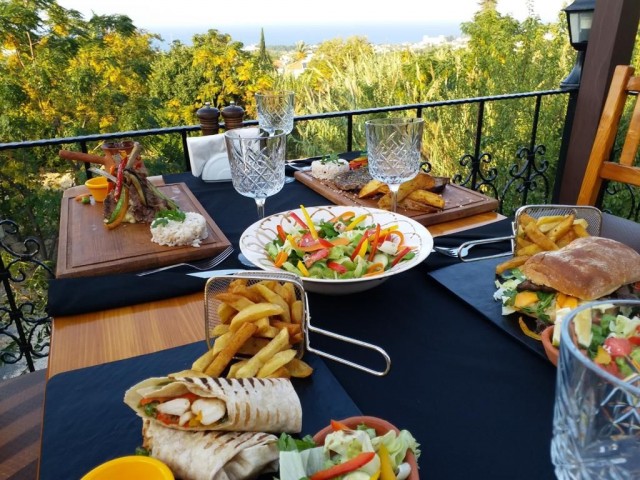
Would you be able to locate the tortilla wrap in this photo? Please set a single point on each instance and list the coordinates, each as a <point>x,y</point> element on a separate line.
<point>211,455</point>
<point>246,404</point>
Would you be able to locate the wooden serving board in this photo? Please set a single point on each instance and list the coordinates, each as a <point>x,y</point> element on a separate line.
<point>86,247</point>
<point>460,202</point>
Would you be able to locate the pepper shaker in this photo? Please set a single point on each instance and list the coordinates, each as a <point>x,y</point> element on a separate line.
<point>233,116</point>
<point>208,117</point>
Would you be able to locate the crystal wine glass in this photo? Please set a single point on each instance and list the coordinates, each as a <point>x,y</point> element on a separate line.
<point>257,163</point>
<point>275,111</point>
<point>393,148</point>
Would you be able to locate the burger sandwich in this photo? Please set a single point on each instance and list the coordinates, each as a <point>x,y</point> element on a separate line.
<point>551,283</point>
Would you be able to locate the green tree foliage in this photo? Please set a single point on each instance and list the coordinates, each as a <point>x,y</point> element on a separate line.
<point>62,76</point>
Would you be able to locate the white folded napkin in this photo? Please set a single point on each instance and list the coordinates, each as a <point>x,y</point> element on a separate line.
<point>208,157</point>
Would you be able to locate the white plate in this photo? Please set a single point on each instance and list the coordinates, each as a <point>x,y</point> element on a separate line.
<point>254,239</point>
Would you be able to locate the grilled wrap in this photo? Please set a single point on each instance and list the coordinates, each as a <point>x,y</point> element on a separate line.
<point>189,401</point>
<point>211,455</point>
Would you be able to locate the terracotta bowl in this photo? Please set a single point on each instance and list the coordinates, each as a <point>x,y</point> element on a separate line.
<point>99,188</point>
<point>551,351</point>
<point>381,427</point>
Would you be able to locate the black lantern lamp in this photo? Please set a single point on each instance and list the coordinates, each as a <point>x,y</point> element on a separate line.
<point>579,18</point>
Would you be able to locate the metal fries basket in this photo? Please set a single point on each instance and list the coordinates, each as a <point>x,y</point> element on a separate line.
<point>592,215</point>
<point>220,284</point>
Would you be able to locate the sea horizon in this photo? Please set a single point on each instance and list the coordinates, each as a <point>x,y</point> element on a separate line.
<point>289,35</point>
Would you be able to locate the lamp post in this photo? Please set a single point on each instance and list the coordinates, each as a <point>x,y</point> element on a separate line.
<point>579,19</point>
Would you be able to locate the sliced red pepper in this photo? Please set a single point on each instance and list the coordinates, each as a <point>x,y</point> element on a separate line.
<point>399,256</point>
<point>343,468</point>
<point>119,180</point>
<point>635,340</point>
<point>298,220</point>
<point>374,242</point>
<point>336,425</point>
<point>325,243</point>
<point>359,246</point>
<point>167,419</point>
<point>281,233</point>
<point>315,256</point>
<point>335,266</point>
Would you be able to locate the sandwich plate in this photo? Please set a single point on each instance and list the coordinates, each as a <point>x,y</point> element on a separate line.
<point>257,236</point>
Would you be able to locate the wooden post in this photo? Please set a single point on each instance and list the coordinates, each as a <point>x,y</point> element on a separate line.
<point>611,41</point>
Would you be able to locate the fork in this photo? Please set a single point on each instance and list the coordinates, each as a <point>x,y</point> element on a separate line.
<point>458,252</point>
<point>206,264</point>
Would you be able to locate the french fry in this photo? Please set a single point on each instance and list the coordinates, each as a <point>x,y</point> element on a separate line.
<point>263,325</point>
<point>294,328</point>
<point>373,188</point>
<point>279,360</point>
<point>561,228</point>
<point>511,263</point>
<point>202,362</point>
<point>297,311</point>
<point>417,206</point>
<point>246,292</point>
<point>271,296</point>
<point>221,342</point>
<point>287,294</point>
<point>539,238</point>
<point>226,312</point>
<point>270,332</point>
<point>522,242</point>
<point>525,219</point>
<point>547,219</point>
<point>529,250</point>
<point>279,343</point>
<point>567,238</point>
<point>233,368</point>
<point>547,227</point>
<point>222,359</point>
<point>236,301</point>
<point>219,330</point>
<point>255,311</point>
<point>299,368</point>
<point>427,198</point>
<point>282,372</point>
<point>253,346</point>
<point>580,230</point>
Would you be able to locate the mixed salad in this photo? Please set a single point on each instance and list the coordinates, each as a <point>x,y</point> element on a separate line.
<point>615,340</point>
<point>342,247</point>
<point>348,454</point>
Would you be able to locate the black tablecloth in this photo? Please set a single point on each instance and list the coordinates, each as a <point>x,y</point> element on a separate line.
<point>479,402</point>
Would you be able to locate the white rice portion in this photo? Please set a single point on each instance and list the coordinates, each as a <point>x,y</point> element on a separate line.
<point>328,170</point>
<point>190,232</point>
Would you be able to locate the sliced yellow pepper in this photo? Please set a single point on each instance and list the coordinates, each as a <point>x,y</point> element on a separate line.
<point>386,470</point>
<point>602,356</point>
<point>363,248</point>
<point>354,223</point>
<point>312,228</point>
<point>302,268</point>
<point>527,331</point>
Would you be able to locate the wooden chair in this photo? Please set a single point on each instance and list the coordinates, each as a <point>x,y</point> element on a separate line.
<point>600,167</point>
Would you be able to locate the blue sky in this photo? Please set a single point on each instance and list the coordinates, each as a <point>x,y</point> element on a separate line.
<point>204,13</point>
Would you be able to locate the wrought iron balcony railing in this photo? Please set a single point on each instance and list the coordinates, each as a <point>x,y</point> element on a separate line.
<point>514,175</point>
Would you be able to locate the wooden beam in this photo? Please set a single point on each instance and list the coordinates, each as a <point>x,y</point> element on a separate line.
<point>611,42</point>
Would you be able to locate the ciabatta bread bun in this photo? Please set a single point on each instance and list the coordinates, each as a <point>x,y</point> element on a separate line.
<point>588,268</point>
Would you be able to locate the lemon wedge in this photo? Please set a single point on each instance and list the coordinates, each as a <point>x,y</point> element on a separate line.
<point>582,327</point>
<point>557,326</point>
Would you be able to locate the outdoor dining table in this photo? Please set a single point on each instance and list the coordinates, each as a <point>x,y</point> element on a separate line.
<point>477,396</point>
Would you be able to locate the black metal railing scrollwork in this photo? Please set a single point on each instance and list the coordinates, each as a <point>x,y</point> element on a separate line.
<point>23,321</point>
<point>527,174</point>
<point>478,178</point>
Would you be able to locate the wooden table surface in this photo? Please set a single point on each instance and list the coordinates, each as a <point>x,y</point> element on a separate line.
<point>98,337</point>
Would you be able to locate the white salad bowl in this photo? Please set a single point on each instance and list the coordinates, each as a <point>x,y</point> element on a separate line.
<point>257,236</point>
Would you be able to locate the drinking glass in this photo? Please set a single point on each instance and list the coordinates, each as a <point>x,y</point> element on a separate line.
<point>596,422</point>
<point>393,148</point>
<point>257,163</point>
<point>275,111</point>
